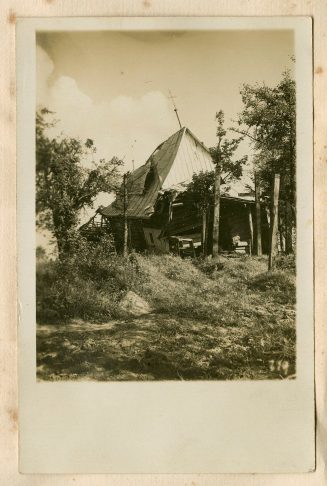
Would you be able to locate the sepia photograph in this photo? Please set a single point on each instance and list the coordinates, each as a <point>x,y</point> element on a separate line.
<point>166,205</point>
<point>165,245</point>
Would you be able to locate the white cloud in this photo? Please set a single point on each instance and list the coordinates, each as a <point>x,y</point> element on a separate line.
<point>124,126</point>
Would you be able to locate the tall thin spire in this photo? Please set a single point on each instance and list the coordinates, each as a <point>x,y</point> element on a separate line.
<point>171,97</point>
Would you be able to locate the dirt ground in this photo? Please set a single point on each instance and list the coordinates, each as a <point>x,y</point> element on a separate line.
<point>156,347</point>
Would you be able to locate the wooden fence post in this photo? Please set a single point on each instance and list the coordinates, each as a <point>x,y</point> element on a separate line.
<point>274,221</point>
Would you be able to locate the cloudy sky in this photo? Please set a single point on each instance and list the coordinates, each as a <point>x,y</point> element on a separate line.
<point>113,87</point>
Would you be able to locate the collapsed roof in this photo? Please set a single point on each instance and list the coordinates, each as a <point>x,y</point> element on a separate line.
<point>170,167</point>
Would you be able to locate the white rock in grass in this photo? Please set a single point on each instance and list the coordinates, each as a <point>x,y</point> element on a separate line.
<point>134,304</point>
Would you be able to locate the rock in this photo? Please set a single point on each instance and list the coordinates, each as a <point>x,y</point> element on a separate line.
<point>134,304</point>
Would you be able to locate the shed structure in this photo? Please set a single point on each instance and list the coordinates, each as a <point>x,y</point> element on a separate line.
<point>156,206</point>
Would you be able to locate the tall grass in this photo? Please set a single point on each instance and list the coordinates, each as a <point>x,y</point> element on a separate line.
<point>90,285</point>
<point>213,319</point>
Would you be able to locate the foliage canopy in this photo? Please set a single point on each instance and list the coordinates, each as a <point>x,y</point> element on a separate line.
<point>268,119</point>
<point>201,188</point>
<point>64,185</point>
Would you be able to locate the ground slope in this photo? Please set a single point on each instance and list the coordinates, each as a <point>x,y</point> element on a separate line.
<point>224,319</point>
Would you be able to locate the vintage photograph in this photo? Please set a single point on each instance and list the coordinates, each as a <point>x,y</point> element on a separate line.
<point>165,205</point>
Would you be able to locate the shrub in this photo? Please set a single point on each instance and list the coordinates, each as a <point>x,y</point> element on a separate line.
<point>86,284</point>
<point>61,296</point>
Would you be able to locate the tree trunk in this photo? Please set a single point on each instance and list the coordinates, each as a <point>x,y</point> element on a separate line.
<point>60,248</point>
<point>281,236</point>
<point>216,213</point>
<point>257,215</point>
<point>291,197</point>
<point>274,221</point>
<point>63,244</point>
<point>250,229</point>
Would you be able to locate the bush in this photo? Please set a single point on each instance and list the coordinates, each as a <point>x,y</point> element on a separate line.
<point>87,284</point>
<point>62,295</point>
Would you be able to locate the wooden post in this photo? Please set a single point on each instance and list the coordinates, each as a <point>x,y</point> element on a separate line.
<point>281,237</point>
<point>274,221</point>
<point>125,247</point>
<point>251,228</point>
<point>257,215</point>
<point>206,241</point>
<point>216,213</point>
<point>204,231</point>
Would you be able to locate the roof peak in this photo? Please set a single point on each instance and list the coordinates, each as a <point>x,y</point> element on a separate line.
<point>197,140</point>
<point>186,129</point>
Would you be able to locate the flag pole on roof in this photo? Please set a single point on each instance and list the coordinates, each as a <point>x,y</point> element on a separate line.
<point>171,97</point>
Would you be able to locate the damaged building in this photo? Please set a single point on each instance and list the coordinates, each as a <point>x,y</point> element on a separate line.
<point>159,212</point>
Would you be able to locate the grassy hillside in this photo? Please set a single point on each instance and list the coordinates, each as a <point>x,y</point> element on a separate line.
<point>223,319</point>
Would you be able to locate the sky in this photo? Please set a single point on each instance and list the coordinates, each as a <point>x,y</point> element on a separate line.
<point>113,87</point>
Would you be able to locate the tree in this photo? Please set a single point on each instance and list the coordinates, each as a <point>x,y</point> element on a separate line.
<point>205,186</point>
<point>225,164</point>
<point>63,185</point>
<point>200,192</point>
<point>268,120</point>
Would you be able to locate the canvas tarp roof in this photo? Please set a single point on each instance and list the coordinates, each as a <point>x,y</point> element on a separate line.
<point>172,163</point>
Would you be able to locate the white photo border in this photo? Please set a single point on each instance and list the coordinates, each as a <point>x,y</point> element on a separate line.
<point>164,427</point>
